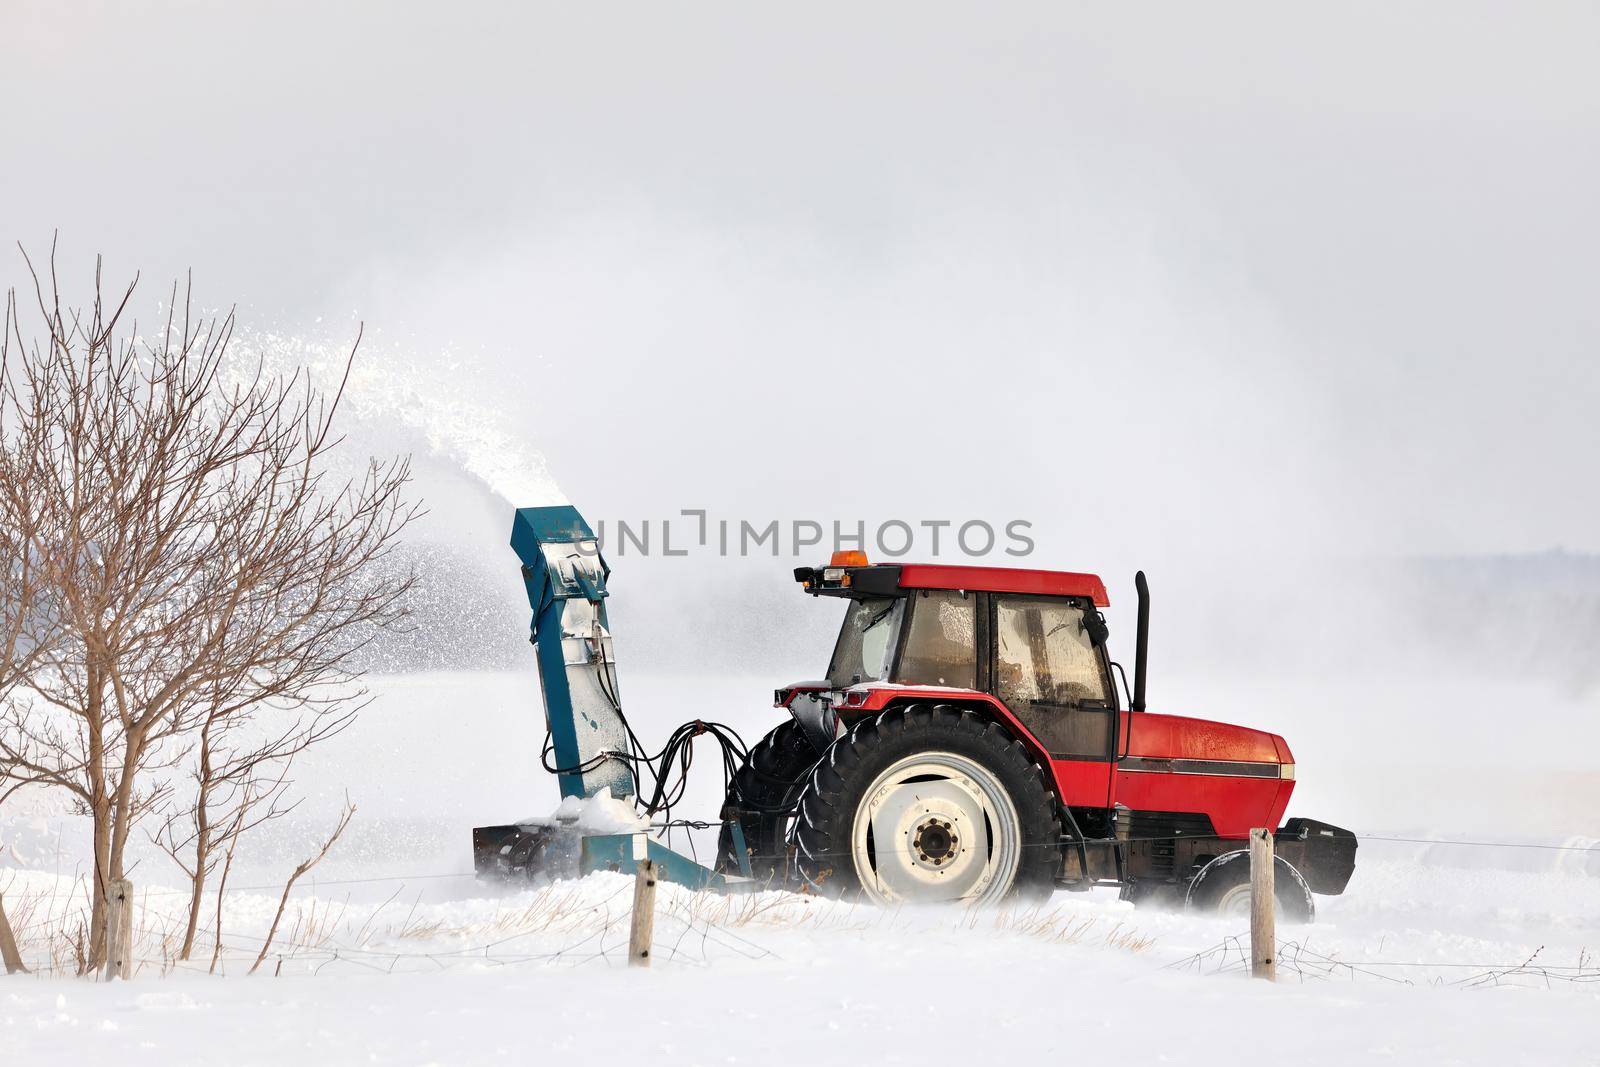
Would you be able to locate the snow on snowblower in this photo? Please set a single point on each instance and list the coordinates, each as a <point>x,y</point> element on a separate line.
<point>969,743</point>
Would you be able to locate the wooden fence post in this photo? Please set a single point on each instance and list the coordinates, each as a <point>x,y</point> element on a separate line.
<point>8,944</point>
<point>644,915</point>
<point>119,930</point>
<point>1263,901</point>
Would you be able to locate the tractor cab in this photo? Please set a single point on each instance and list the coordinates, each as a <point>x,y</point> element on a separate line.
<point>1047,648</point>
<point>1034,641</point>
<point>924,625</point>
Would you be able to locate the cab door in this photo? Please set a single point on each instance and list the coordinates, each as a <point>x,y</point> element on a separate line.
<point>1046,669</point>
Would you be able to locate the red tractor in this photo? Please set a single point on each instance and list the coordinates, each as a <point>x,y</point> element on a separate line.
<point>970,743</point>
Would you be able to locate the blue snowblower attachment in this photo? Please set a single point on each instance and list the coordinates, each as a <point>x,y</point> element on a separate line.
<point>589,745</point>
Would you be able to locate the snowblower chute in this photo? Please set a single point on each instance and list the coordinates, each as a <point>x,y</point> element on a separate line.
<point>588,747</point>
<point>565,576</point>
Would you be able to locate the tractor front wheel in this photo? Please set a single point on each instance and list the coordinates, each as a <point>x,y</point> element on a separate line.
<point>761,796</point>
<point>925,804</point>
<point>1223,888</point>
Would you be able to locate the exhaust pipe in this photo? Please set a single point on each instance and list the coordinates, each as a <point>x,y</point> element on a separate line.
<point>1141,653</point>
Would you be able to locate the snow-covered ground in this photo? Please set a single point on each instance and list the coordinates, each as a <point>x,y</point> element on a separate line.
<point>778,978</point>
<point>391,953</point>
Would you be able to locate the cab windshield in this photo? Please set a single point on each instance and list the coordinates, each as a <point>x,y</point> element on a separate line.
<point>866,641</point>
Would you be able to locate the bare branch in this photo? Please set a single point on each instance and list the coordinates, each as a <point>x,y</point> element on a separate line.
<point>305,865</point>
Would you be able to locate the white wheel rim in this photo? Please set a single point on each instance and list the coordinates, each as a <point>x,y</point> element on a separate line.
<point>934,827</point>
<point>1235,903</point>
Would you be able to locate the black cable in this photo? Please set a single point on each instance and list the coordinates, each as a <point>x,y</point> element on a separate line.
<point>578,768</point>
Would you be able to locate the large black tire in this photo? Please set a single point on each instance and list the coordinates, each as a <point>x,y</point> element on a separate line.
<point>763,794</point>
<point>1223,888</point>
<point>839,784</point>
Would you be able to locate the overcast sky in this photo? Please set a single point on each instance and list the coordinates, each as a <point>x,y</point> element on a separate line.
<point>1211,282</point>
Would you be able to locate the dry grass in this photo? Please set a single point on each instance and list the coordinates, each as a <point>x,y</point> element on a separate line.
<point>51,927</point>
<point>795,911</point>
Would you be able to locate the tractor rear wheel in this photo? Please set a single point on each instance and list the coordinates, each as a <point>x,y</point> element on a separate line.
<point>1223,888</point>
<point>924,804</point>
<point>761,796</point>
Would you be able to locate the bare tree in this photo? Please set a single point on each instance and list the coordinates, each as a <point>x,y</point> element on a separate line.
<point>240,780</point>
<point>191,554</point>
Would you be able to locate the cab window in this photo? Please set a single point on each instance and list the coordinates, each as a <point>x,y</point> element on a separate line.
<point>941,646</point>
<point>866,641</point>
<point>1044,655</point>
